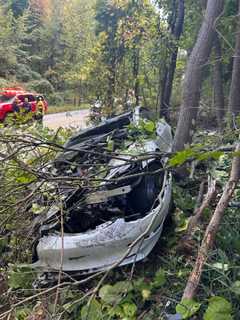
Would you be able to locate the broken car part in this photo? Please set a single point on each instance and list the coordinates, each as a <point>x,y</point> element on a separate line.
<point>103,221</point>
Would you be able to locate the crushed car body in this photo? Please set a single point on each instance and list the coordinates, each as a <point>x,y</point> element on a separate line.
<point>119,217</point>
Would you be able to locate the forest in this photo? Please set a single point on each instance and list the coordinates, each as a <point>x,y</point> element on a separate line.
<point>179,60</point>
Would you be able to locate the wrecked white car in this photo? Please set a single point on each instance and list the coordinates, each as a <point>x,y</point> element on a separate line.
<point>119,217</point>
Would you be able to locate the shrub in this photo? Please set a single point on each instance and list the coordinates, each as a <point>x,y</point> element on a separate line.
<point>23,73</point>
<point>55,99</point>
<point>42,86</point>
<point>3,83</point>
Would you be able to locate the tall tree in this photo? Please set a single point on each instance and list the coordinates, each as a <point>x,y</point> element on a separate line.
<point>77,38</point>
<point>193,76</point>
<point>108,15</point>
<point>176,26</point>
<point>218,82</point>
<point>234,97</point>
<point>8,47</point>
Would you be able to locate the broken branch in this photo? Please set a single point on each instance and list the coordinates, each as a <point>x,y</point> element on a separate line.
<point>195,219</point>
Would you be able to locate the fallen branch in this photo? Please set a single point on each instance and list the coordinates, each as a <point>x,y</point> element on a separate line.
<point>200,195</point>
<point>195,219</point>
<point>212,229</point>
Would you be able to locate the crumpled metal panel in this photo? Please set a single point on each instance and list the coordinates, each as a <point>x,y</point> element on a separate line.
<point>108,243</point>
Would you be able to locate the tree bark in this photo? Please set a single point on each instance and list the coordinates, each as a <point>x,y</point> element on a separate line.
<point>234,97</point>
<point>210,234</point>
<point>203,4</point>
<point>177,29</point>
<point>218,83</point>
<point>111,88</point>
<point>193,76</point>
<point>136,65</point>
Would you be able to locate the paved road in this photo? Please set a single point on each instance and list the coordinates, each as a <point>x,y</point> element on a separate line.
<point>76,119</point>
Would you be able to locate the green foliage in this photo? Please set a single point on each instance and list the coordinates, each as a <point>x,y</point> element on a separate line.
<point>195,152</point>
<point>149,126</point>
<point>21,276</point>
<point>91,311</point>
<point>41,86</point>
<point>25,74</point>
<point>159,279</point>
<point>183,199</point>
<point>187,308</point>
<point>181,157</point>
<point>236,288</point>
<point>113,294</point>
<point>22,314</point>
<point>218,309</point>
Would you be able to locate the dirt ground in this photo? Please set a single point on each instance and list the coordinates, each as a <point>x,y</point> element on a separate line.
<point>76,119</point>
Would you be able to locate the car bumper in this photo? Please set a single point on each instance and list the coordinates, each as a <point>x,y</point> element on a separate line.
<point>107,245</point>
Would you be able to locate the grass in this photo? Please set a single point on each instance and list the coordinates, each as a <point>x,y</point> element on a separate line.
<point>66,107</point>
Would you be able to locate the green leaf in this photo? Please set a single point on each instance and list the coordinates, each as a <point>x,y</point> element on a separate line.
<point>143,287</point>
<point>215,155</point>
<point>129,309</point>
<point>218,309</point>
<point>146,294</point>
<point>37,209</point>
<point>159,279</point>
<point>236,288</point>
<point>20,277</point>
<point>22,314</point>
<point>149,126</point>
<point>107,294</point>
<point>92,311</point>
<point>187,308</point>
<point>181,157</point>
<point>113,294</point>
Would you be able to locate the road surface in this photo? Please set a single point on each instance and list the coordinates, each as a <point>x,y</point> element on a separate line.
<point>75,119</point>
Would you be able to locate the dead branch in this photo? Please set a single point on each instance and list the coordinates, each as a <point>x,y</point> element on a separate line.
<point>212,229</point>
<point>195,219</point>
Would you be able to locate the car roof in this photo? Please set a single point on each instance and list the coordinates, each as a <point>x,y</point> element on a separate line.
<point>25,93</point>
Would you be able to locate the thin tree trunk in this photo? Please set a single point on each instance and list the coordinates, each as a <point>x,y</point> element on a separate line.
<point>210,234</point>
<point>111,89</point>
<point>193,76</point>
<point>234,97</point>
<point>136,64</point>
<point>218,83</point>
<point>169,75</point>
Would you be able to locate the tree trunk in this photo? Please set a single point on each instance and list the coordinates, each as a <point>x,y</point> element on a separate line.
<point>111,89</point>
<point>136,64</point>
<point>203,4</point>
<point>193,76</point>
<point>177,29</point>
<point>218,83</point>
<point>234,97</point>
